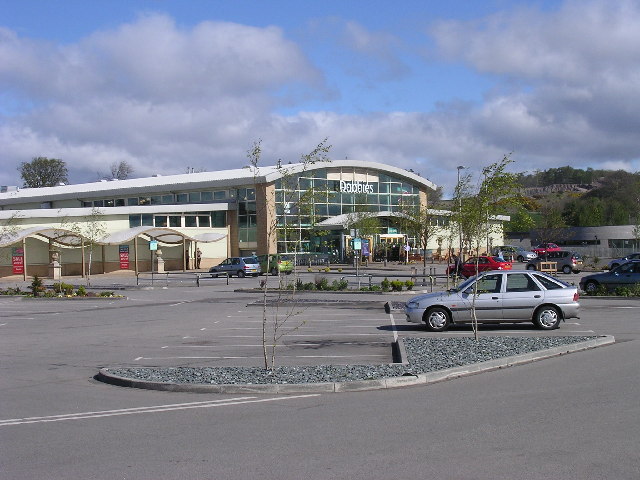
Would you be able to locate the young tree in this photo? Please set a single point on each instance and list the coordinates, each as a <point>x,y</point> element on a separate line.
<point>43,172</point>
<point>497,191</point>
<point>277,321</point>
<point>89,230</point>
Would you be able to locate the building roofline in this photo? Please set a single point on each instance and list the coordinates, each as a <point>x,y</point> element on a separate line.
<point>190,181</point>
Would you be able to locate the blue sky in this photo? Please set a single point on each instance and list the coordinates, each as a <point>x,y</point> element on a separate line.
<point>424,85</point>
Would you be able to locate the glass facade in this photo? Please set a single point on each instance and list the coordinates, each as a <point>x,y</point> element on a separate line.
<point>303,201</point>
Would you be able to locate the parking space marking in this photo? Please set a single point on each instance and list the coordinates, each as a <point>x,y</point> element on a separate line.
<point>153,409</point>
<point>239,357</point>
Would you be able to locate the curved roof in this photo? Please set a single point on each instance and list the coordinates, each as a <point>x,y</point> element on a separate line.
<point>190,181</point>
<point>74,239</point>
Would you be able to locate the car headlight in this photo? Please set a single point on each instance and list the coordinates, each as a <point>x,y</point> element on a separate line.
<point>413,304</point>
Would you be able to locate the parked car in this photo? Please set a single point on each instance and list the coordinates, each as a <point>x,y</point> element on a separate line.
<point>501,296</point>
<point>545,248</point>
<point>514,251</point>
<point>275,264</point>
<point>623,275</point>
<point>566,261</point>
<point>240,266</point>
<point>619,261</point>
<point>484,263</point>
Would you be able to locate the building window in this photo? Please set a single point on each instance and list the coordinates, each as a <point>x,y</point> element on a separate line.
<point>120,202</point>
<point>190,221</point>
<point>161,221</point>
<point>132,201</point>
<point>219,219</point>
<point>206,196</point>
<point>182,198</point>
<point>147,220</point>
<point>134,221</point>
<point>220,195</point>
<point>167,199</point>
<point>204,221</point>
<point>175,221</point>
<point>194,197</point>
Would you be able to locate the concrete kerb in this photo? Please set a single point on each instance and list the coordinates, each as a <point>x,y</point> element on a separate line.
<point>106,376</point>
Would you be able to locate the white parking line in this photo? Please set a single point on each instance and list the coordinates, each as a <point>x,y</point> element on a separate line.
<point>154,409</point>
<point>238,357</point>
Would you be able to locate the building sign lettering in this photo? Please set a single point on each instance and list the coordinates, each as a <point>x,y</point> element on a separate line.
<point>355,187</point>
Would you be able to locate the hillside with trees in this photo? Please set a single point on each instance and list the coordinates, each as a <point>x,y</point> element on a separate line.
<point>568,196</point>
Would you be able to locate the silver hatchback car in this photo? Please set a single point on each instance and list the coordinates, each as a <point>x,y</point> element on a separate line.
<point>498,296</point>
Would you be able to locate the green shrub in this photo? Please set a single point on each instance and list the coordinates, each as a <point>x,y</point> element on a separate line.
<point>396,285</point>
<point>106,294</point>
<point>321,283</point>
<point>385,285</point>
<point>36,287</point>
<point>409,284</point>
<point>81,292</point>
<point>339,285</point>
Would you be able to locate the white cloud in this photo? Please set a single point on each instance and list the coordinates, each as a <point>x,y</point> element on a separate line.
<point>163,97</point>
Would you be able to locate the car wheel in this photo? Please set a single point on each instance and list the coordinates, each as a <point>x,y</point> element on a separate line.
<point>241,274</point>
<point>520,258</point>
<point>274,271</point>
<point>566,269</point>
<point>531,267</point>
<point>437,319</point>
<point>591,286</point>
<point>547,317</point>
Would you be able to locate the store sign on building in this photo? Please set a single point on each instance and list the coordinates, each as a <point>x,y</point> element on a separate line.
<point>355,187</point>
<point>124,257</point>
<point>17,260</point>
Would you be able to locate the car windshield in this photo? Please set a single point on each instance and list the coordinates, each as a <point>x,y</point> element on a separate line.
<point>464,285</point>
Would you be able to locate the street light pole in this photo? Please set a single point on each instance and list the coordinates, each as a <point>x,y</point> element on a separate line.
<point>460,167</point>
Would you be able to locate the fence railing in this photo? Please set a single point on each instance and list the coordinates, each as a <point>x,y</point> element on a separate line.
<point>179,277</point>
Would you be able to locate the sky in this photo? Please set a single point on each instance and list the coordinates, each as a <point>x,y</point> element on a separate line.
<point>172,85</point>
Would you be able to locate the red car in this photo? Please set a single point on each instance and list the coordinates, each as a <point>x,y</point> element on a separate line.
<point>468,268</point>
<point>546,247</point>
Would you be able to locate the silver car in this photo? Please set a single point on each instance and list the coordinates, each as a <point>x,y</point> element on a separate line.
<point>240,266</point>
<point>515,252</point>
<point>501,296</point>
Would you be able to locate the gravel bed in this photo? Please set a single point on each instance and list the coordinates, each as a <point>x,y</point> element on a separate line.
<point>423,355</point>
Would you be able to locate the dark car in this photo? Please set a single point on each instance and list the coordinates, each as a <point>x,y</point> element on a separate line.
<point>484,263</point>
<point>616,262</point>
<point>624,275</point>
<point>566,261</point>
<point>240,266</point>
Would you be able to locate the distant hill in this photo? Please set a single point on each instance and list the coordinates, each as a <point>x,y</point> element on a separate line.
<point>585,198</point>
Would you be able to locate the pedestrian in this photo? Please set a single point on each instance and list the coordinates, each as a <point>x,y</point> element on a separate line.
<point>198,258</point>
<point>456,264</point>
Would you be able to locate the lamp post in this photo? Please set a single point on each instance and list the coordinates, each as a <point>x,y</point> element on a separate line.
<point>459,167</point>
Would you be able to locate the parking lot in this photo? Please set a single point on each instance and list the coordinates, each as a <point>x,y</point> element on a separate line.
<point>67,425</point>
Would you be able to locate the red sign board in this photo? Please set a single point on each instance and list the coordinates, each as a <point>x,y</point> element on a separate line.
<point>17,260</point>
<point>124,257</point>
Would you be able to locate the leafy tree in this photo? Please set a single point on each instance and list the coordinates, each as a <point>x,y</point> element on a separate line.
<point>43,172</point>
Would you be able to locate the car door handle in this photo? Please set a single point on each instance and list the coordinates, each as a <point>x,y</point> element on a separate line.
<point>495,298</point>
<point>537,296</point>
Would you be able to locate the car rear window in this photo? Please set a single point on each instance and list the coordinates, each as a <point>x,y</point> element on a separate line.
<point>550,283</point>
<point>250,260</point>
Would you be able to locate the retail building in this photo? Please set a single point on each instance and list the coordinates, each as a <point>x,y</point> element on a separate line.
<point>160,222</point>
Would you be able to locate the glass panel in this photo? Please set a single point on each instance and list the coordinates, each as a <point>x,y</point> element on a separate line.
<point>109,203</point>
<point>204,220</point>
<point>206,196</point>
<point>161,220</point>
<point>190,221</point>
<point>220,195</point>
<point>156,200</point>
<point>181,198</point>
<point>132,201</point>
<point>147,220</point>
<point>243,221</point>
<point>134,221</point>
<point>98,203</point>
<point>144,200</point>
<point>305,184</point>
<point>120,202</point>
<point>194,197</point>
<point>218,219</point>
<point>175,221</point>
<point>87,204</point>
<point>167,199</point>
<point>384,188</point>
